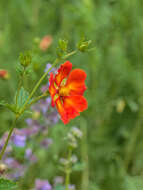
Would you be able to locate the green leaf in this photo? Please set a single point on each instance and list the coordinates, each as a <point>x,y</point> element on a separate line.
<point>22,97</point>
<point>11,107</point>
<point>7,185</point>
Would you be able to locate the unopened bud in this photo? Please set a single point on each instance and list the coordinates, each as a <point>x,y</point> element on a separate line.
<point>76,132</point>
<point>83,45</point>
<point>45,42</point>
<point>4,74</point>
<point>120,106</point>
<point>25,59</point>
<point>3,168</point>
<point>64,161</point>
<point>74,159</point>
<point>62,47</point>
<point>72,140</point>
<point>36,115</point>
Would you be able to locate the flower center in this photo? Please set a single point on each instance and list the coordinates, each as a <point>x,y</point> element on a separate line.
<point>64,91</point>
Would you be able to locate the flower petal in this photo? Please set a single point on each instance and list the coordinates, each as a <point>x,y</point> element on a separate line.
<point>73,105</point>
<point>52,88</point>
<point>63,72</point>
<point>76,82</point>
<point>61,110</point>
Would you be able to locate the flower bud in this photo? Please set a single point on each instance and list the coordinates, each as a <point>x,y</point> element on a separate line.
<point>62,47</point>
<point>4,74</point>
<point>72,140</point>
<point>3,168</point>
<point>76,132</point>
<point>74,159</point>
<point>63,44</point>
<point>45,42</point>
<point>35,115</point>
<point>83,45</point>
<point>64,161</point>
<point>25,59</point>
<point>120,106</point>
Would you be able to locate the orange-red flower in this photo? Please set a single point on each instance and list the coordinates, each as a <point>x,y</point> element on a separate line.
<point>66,90</point>
<point>46,42</point>
<point>4,74</point>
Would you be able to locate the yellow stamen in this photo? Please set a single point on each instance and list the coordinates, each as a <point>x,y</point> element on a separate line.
<point>64,91</point>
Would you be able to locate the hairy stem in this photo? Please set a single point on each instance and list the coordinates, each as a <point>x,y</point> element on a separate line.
<point>37,86</point>
<point>8,138</point>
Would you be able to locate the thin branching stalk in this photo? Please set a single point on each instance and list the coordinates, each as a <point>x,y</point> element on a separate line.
<point>8,138</point>
<point>33,101</point>
<point>68,170</point>
<point>131,145</point>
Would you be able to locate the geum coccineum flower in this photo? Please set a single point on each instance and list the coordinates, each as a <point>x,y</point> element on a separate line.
<point>66,89</point>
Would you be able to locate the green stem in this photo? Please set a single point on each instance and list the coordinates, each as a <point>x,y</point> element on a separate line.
<point>20,85</point>
<point>69,54</point>
<point>8,138</point>
<point>37,99</point>
<point>84,156</point>
<point>43,77</point>
<point>37,86</point>
<point>131,145</point>
<point>68,170</point>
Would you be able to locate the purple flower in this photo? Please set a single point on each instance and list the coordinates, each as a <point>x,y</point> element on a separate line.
<point>48,66</point>
<point>46,142</point>
<point>71,187</point>
<point>34,127</point>
<point>42,185</point>
<point>58,180</point>
<point>44,88</point>
<point>52,118</point>
<point>30,156</point>
<point>19,140</point>
<point>42,105</point>
<point>12,163</point>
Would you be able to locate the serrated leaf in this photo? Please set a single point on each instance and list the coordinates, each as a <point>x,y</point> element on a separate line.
<point>22,97</point>
<point>6,184</point>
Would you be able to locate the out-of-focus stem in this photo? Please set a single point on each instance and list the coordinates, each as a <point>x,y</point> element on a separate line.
<point>84,156</point>
<point>8,138</point>
<point>133,139</point>
<point>68,170</point>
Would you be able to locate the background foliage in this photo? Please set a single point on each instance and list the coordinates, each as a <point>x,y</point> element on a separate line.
<point>112,145</point>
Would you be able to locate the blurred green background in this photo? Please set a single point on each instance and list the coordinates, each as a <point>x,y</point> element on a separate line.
<point>113,145</point>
